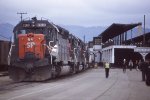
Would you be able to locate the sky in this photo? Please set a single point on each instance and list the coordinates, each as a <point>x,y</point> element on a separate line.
<point>77,12</point>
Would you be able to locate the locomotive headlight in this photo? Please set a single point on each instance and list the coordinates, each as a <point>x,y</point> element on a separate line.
<point>33,24</point>
<point>30,39</point>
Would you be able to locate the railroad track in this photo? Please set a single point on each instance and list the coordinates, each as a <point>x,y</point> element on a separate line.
<point>13,85</point>
<point>10,85</point>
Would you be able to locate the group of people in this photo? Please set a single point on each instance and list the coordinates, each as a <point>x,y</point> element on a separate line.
<point>144,66</point>
<point>131,65</point>
<point>125,65</point>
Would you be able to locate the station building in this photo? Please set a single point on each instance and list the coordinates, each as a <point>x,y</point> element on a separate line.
<point>117,42</point>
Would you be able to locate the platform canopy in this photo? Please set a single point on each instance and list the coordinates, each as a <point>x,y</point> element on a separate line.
<point>116,29</point>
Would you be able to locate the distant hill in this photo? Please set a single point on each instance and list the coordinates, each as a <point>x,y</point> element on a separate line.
<point>91,32</point>
<point>136,32</point>
<point>6,31</point>
<point>80,31</point>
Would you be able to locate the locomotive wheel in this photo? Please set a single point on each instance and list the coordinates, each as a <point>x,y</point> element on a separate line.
<point>83,67</point>
<point>57,71</point>
<point>53,73</point>
<point>73,68</point>
<point>77,68</point>
<point>17,74</point>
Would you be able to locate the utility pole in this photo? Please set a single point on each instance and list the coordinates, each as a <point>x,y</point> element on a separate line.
<point>131,38</point>
<point>21,13</point>
<point>144,33</point>
<point>84,38</point>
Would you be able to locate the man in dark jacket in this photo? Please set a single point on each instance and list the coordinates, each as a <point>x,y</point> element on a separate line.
<point>124,65</point>
<point>148,74</point>
<point>143,67</point>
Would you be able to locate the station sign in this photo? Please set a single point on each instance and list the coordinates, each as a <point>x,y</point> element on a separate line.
<point>142,49</point>
<point>97,40</point>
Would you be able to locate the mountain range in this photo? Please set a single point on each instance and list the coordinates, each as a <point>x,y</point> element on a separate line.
<point>88,32</point>
<point>6,31</point>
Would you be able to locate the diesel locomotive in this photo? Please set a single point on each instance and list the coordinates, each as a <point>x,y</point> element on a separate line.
<point>41,50</point>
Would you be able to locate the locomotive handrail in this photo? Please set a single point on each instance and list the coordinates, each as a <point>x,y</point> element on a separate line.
<point>75,54</point>
<point>9,54</point>
<point>49,46</point>
<point>55,27</point>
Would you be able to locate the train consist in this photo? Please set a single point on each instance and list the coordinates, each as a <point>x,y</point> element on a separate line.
<point>41,50</point>
<point>4,50</point>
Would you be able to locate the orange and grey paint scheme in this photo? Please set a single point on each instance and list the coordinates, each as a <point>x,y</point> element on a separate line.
<point>33,44</point>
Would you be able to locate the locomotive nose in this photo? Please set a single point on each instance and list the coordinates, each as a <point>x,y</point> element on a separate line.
<point>31,46</point>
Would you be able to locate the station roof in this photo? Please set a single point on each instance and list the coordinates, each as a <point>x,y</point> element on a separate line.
<point>116,29</point>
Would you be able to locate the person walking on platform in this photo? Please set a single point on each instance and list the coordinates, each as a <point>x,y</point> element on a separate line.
<point>137,64</point>
<point>107,66</point>
<point>143,67</point>
<point>147,73</point>
<point>130,65</point>
<point>124,65</point>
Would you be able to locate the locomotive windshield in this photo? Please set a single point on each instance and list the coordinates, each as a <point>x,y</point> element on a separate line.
<point>32,30</point>
<point>36,27</point>
<point>31,26</point>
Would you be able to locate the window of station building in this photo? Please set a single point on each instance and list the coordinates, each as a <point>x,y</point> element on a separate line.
<point>97,41</point>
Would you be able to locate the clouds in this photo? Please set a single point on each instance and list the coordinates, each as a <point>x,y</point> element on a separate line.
<point>77,12</point>
<point>120,6</point>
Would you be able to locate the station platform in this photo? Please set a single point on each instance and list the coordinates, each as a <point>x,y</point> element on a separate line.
<point>125,86</point>
<point>88,85</point>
